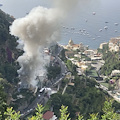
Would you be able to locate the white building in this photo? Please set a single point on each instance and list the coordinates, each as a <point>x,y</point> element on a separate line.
<point>115,72</point>
<point>89,52</point>
<point>114,44</point>
<point>102,44</point>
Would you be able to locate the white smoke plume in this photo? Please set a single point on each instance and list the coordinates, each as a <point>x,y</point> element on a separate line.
<point>39,29</point>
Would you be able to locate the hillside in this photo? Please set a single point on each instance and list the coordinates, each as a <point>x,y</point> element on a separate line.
<point>8,56</point>
<point>8,51</point>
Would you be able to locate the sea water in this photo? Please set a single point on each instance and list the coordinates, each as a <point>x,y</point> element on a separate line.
<point>91,23</point>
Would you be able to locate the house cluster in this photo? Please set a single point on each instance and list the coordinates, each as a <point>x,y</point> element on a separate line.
<point>93,54</point>
<point>76,57</point>
<point>113,44</point>
<point>114,74</point>
<point>72,46</point>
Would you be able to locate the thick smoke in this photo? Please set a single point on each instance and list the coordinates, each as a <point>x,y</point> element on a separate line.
<point>65,7</point>
<point>39,29</point>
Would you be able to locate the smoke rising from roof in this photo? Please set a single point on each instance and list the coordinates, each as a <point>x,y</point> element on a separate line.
<point>39,29</point>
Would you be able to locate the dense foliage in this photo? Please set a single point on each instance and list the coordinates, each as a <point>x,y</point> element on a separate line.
<point>108,113</point>
<point>83,97</point>
<point>8,55</point>
<point>62,55</point>
<point>71,67</point>
<point>53,71</point>
<point>112,62</point>
<point>2,102</point>
<point>8,51</point>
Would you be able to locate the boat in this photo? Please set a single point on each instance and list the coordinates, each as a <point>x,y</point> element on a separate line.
<point>106,27</point>
<point>116,24</point>
<point>106,22</point>
<point>98,36</point>
<point>94,13</point>
<point>86,20</point>
<point>72,28</point>
<point>84,30</point>
<point>100,30</point>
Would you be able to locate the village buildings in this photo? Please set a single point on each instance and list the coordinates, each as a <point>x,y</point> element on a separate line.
<point>114,44</point>
<point>72,46</point>
<point>75,52</point>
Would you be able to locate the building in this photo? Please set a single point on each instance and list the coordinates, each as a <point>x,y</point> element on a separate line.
<point>72,46</point>
<point>89,52</point>
<point>115,72</point>
<point>77,55</point>
<point>102,44</point>
<point>114,44</point>
<point>79,64</point>
<point>69,53</point>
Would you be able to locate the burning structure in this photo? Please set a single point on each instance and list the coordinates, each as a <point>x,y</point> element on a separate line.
<point>37,30</point>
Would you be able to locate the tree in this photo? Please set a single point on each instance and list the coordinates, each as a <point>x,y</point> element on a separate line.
<point>109,113</point>
<point>64,113</point>
<point>71,66</point>
<point>3,104</point>
<point>53,71</point>
<point>12,115</point>
<point>39,114</point>
<point>93,117</point>
<point>80,117</point>
<point>62,55</point>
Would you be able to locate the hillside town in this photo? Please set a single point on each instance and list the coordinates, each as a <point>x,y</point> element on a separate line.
<point>85,58</point>
<point>88,62</point>
<point>55,63</point>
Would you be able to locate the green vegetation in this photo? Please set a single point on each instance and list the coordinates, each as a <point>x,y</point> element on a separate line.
<point>3,104</point>
<point>104,50</point>
<point>105,84</point>
<point>62,55</point>
<point>27,98</point>
<point>53,71</point>
<point>8,66</point>
<point>8,52</point>
<point>111,62</point>
<point>83,97</point>
<point>38,113</point>
<point>91,72</point>
<point>71,67</point>
<point>108,113</point>
<point>12,114</point>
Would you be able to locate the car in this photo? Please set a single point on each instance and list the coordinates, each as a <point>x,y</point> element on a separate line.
<point>42,90</point>
<point>39,95</point>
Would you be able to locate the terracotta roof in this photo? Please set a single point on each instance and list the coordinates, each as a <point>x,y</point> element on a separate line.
<point>48,115</point>
<point>72,84</point>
